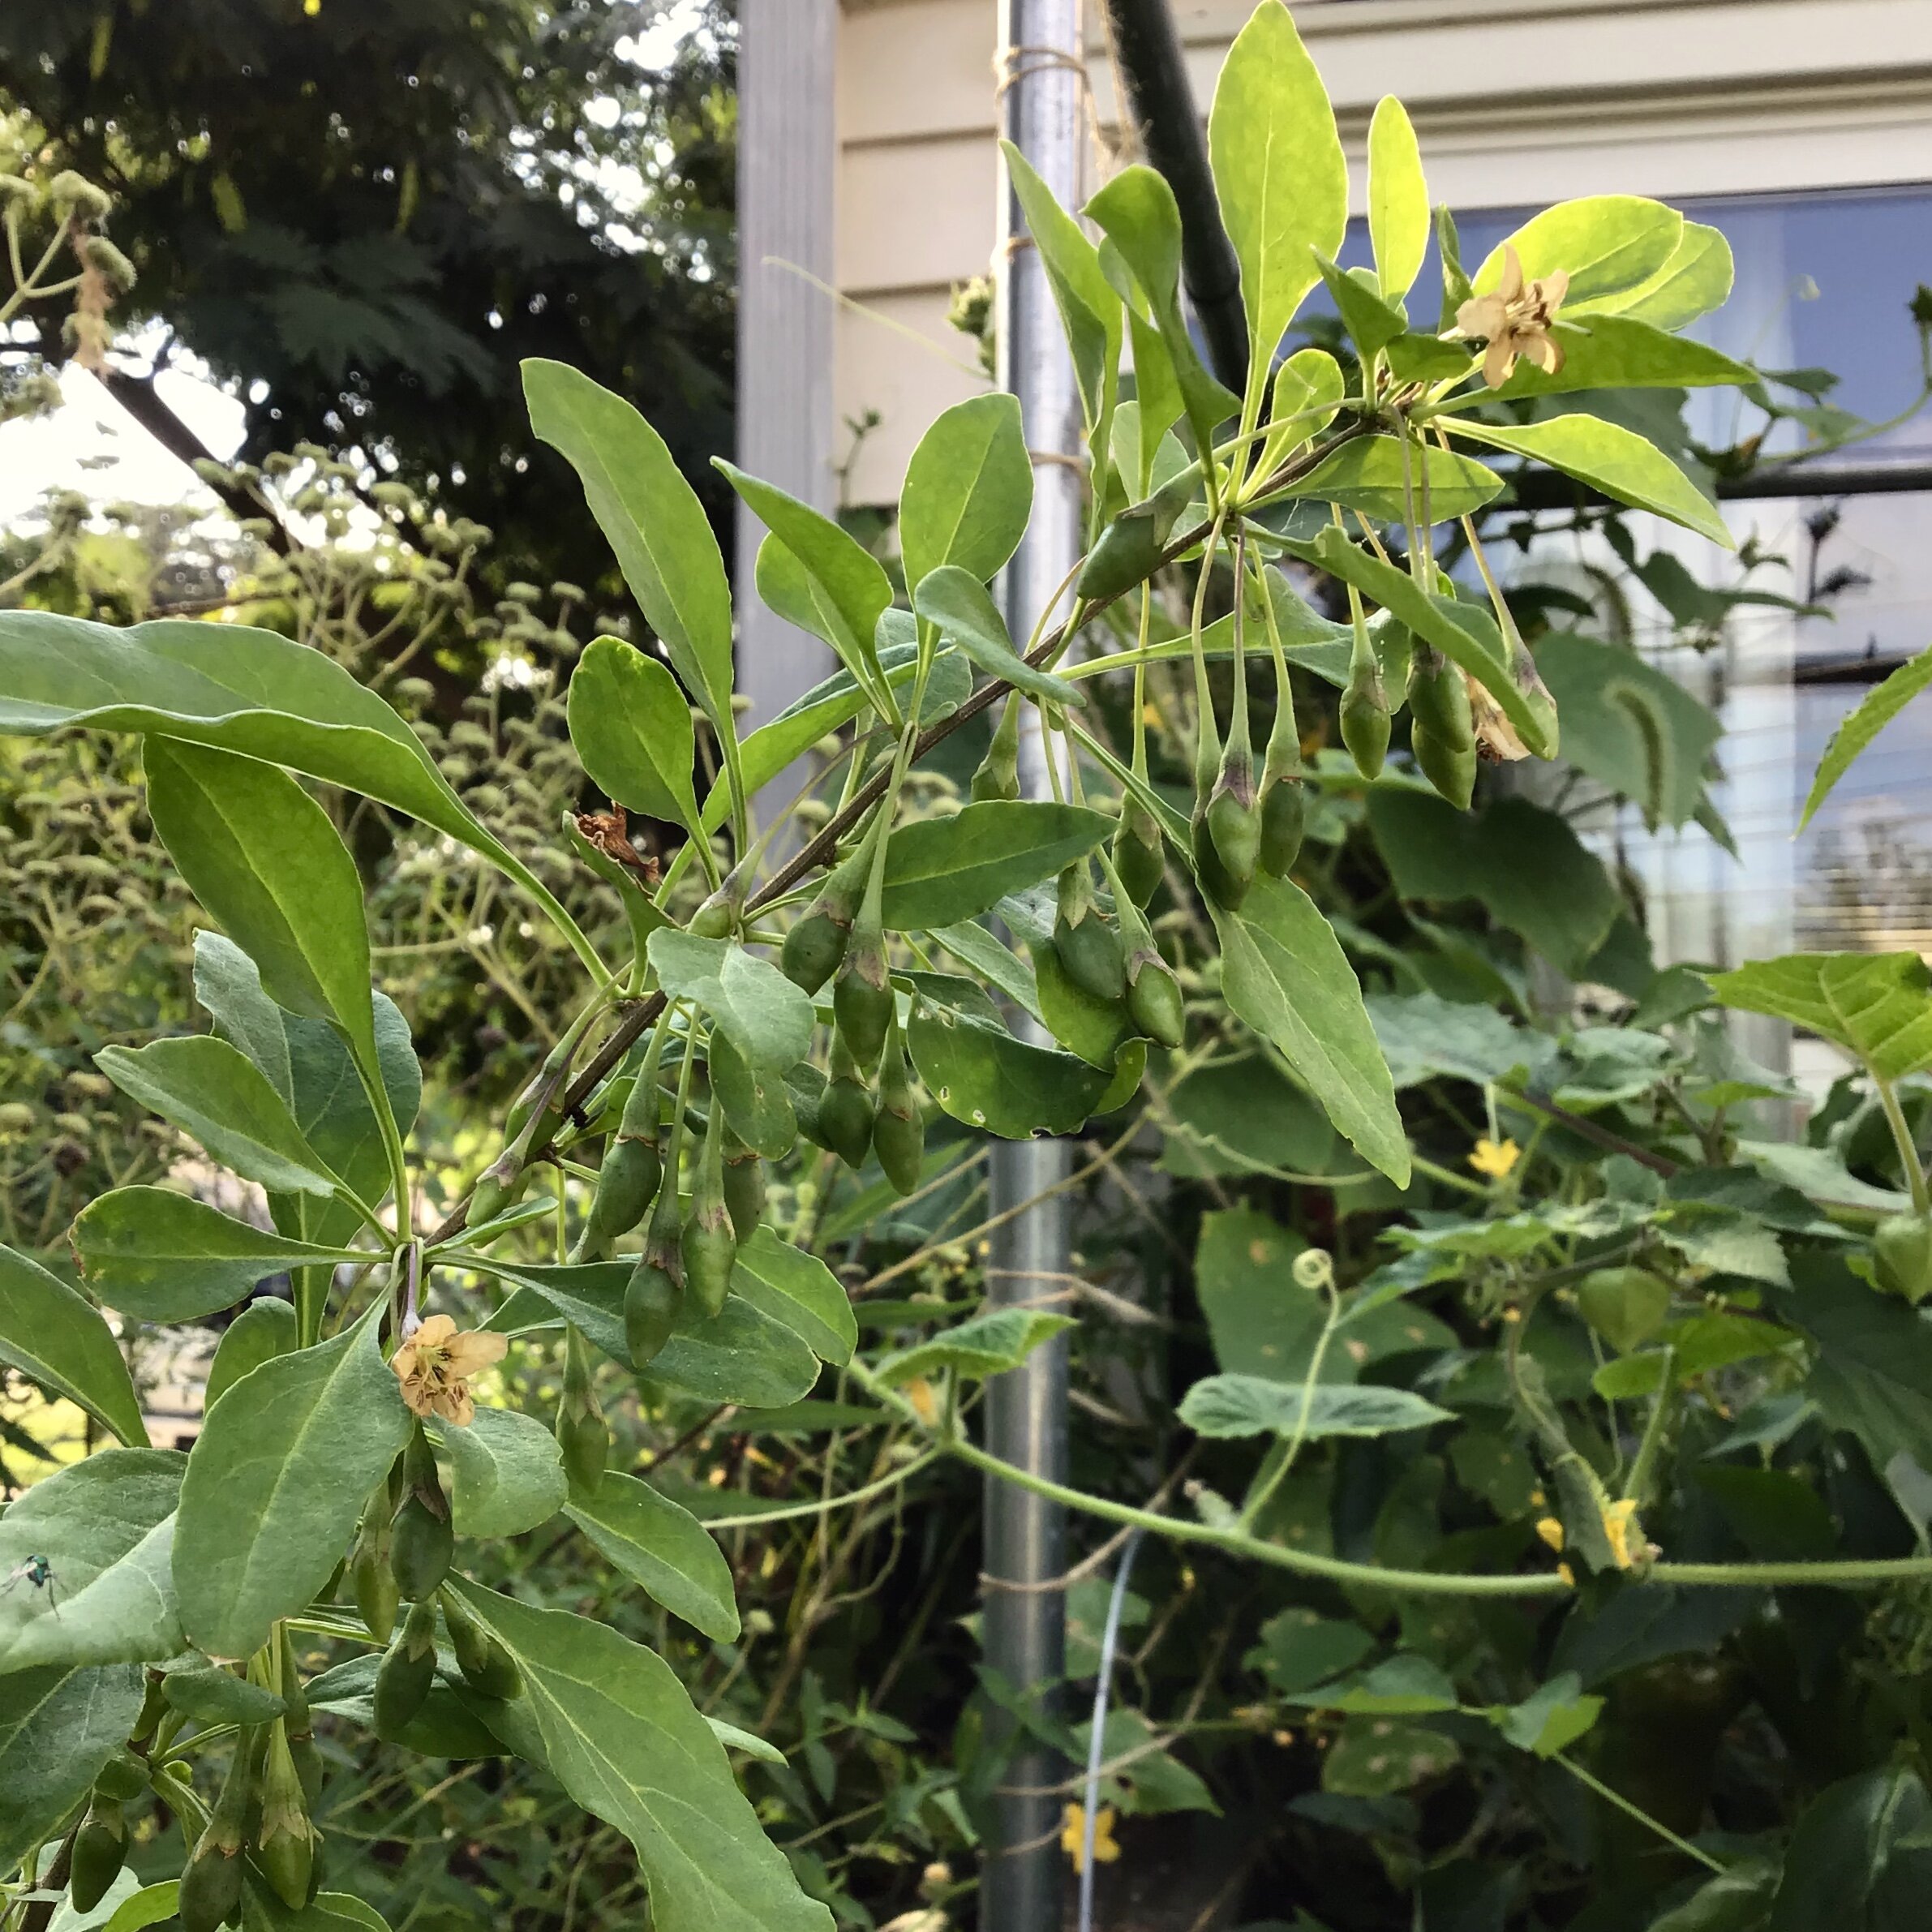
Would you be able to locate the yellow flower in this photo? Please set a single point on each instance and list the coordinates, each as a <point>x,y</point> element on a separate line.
<point>1496,1158</point>
<point>435,1364</point>
<point>1551,1531</point>
<point>926,1404</point>
<point>1074,1832</point>
<point>1567,1575</point>
<point>1618,1518</point>
<point>1514,319</point>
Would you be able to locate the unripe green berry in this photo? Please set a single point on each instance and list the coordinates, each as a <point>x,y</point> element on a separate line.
<point>483,1660</point>
<point>845,1118</point>
<point>651,1305</point>
<point>1364,716</point>
<point>1154,1001</point>
<point>100,1846</point>
<point>744,1189</point>
<point>406,1673</point>
<point>1284,813</point>
<point>1139,858</point>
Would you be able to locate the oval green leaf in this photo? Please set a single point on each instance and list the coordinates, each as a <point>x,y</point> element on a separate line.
<point>661,1547</point>
<point>939,871</point>
<point>969,491</point>
<point>632,727</point>
<point>55,1336</point>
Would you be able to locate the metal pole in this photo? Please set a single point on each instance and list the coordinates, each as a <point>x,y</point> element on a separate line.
<point>1026,1410</point>
<point>1159,97</point>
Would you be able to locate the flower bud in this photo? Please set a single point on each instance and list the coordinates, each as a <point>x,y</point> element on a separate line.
<point>1227,833</point>
<point>285,1850</point>
<point>862,1001</point>
<point>371,1580</point>
<point>1284,812</point>
<point>420,1539</point>
<point>1154,1001</point>
<point>898,1130</point>
<point>582,1434</point>
<point>1364,713</point>
<point>816,944</point>
<point>627,1184</point>
<point>655,1289</point>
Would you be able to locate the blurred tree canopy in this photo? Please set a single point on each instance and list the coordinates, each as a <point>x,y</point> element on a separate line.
<point>366,215</point>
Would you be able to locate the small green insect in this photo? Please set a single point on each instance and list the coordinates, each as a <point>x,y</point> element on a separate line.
<point>37,1570</point>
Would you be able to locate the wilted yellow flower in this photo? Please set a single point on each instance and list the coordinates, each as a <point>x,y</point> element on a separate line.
<point>1551,1531</point>
<point>1074,1835</point>
<point>435,1364</point>
<point>1494,1158</point>
<point>1514,319</point>
<point>1617,1520</point>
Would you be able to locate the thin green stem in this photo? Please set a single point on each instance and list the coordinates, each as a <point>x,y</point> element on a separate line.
<point>1901,1135</point>
<point>1643,1817</point>
<point>791,1512</point>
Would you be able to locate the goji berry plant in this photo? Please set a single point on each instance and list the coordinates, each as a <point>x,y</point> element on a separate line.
<point>1642,1384</point>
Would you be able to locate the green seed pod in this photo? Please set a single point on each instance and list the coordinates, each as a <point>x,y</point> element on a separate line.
<point>1452,772</point>
<point>1139,858</point>
<point>420,1539</point>
<point>1129,551</point>
<point>724,912</point>
<point>371,1577</point>
<point>582,1432</point>
<point>1284,812</point>
<point>744,1187</point>
<point>1089,949</point>
<point>650,1303</point>
<point>862,1001</point>
<point>484,1663</point>
<point>407,1671</point>
<point>1902,1249</point>
<point>897,1131</point>
<point>285,1849</point>
<point>708,1245</point>
<point>1227,835</point>
<point>998,774</point>
<point>1154,1001</point>
<point>100,1846</point>
<point>211,1885</point>
<point>124,1778</point>
<point>1364,715</point>
<point>814,947</point>
<point>845,1110</point>
<point>627,1184</point>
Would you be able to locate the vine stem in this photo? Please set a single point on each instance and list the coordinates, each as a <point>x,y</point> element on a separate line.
<point>1643,1817</point>
<point>792,1511</point>
<point>1901,1134</point>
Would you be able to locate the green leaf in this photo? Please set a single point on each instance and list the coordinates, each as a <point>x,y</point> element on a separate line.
<point>219,1096</point>
<point>1400,1687</point>
<point>1236,1405</point>
<point>663,1549</point>
<point>1872,1375</point>
<point>1876,710</point>
<point>588,1294</point>
<point>1279,174</point>
<point>939,871</point>
<point>54,1336</point>
<point>247,690</point>
<point>262,1911</point>
<point>621,1736</point>
<point>1877,1006</point>
<point>1308,389</point>
<point>1620,352</point>
<point>1695,279</point>
<point>651,518</point>
<point>1552,1718</point>
<point>1857,1858</point>
<point>106,1526</point>
<point>980,1074</point>
<point>755,1099</point>
<point>1520,861</point>
<point>1425,1037</point>
<point>847,583</point>
<point>740,1355</point>
<point>800,1291</point>
<point>160,1257</point>
<point>263,857</point>
<point>1243,1115</point>
<point>1630,726</point>
<point>275,1484</point>
<point>508,1474</point>
<point>211,1695</point>
<point>1370,321</point>
<point>957,603</point>
<point>735,1740</point>
<point>1261,1323</point>
<point>969,491</point>
<point>1300,1649</point>
<point>1374,1757</point>
<point>1461,632</point>
<point>147,1907</point>
<point>1398,198</point>
<point>1610,458</point>
<point>1285,976</point>
<point>632,727</point>
<point>765,1017</point>
<point>59,1725</point>
<point>1366,474</point>
<point>1607,244</point>
<point>988,1344</point>
<point>1136,210</point>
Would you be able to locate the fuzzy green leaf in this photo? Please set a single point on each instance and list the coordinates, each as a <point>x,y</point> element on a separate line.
<point>663,1549</point>
<point>1398,198</point>
<point>957,603</point>
<point>1877,1006</point>
<point>969,491</point>
<point>939,871</point>
<point>1876,710</point>
<point>632,727</point>
<point>507,1470</point>
<point>59,1725</point>
<point>55,1336</point>
<point>1235,1405</point>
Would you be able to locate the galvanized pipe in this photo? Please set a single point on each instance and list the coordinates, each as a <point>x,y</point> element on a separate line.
<point>1041,113</point>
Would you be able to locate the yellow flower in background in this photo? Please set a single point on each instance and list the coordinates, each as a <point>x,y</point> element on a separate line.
<point>1567,1575</point>
<point>926,1404</point>
<point>1496,1158</point>
<point>1073,1836</point>
<point>1551,1531</point>
<point>434,1365</point>
<point>1514,320</point>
